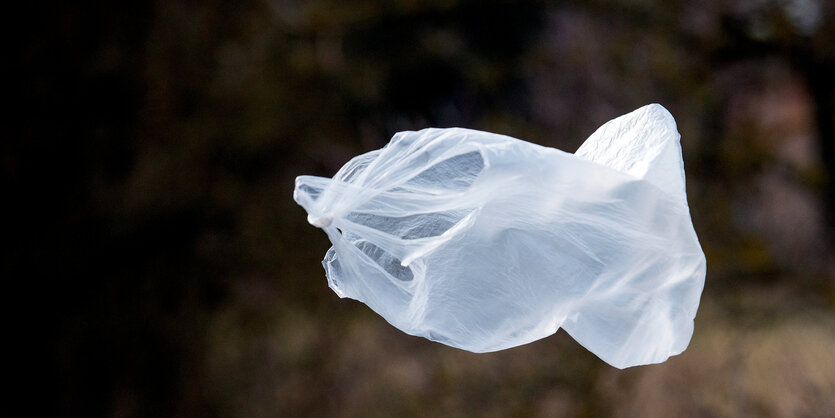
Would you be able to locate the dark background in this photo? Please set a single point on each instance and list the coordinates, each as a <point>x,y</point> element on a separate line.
<point>158,265</point>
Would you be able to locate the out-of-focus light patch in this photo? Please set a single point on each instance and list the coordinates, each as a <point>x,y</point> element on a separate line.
<point>787,218</point>
<point>785,110</point>
<point>804,14</point>
<point>291,14</point>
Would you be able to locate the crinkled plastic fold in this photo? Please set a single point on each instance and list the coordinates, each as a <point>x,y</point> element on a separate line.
<point>485,242</point>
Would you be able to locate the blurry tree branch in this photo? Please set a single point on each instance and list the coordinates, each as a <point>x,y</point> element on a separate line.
<point>815,65</point>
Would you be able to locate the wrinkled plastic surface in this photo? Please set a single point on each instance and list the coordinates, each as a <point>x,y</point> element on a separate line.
<point>485,242</point>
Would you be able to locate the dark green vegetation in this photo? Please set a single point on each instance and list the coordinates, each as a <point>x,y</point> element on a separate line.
<point>164,269</point>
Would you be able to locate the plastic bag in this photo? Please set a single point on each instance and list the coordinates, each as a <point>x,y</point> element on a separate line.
<point>485,242</point>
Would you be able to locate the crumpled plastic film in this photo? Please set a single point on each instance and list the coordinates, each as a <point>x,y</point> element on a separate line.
<point>485,242</point>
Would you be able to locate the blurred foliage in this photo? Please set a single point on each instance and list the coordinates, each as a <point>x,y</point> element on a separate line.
<point>150,162</point>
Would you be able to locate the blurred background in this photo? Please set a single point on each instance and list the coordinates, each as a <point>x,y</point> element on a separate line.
<point>166,271</point>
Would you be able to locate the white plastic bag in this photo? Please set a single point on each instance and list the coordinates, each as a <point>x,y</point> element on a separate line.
<point>485,242</point>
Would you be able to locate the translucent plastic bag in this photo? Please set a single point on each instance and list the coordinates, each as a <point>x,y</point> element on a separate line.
<point>485,242</point>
